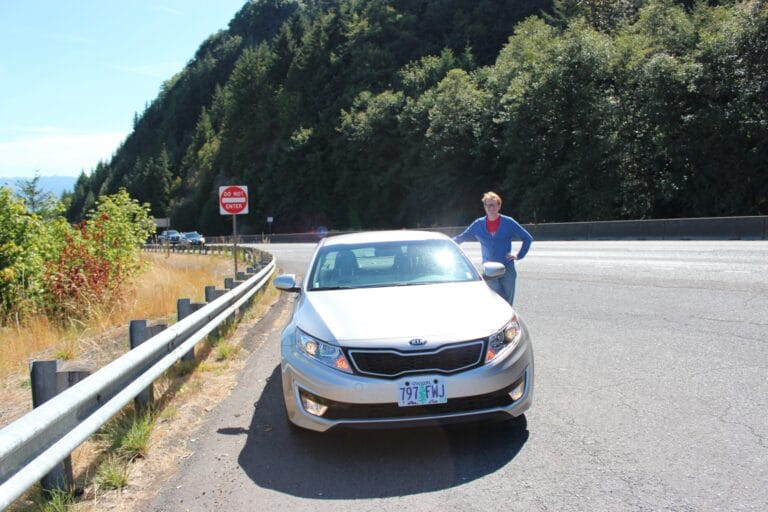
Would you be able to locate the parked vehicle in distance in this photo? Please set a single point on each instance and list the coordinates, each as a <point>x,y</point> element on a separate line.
<point>192,238</point>
<point>398,328</point>
<point>170,236</point>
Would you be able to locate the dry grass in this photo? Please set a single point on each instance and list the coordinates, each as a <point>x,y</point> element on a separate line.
<point>18,342</point>
<point>152,296</point>
<point>182,395</point>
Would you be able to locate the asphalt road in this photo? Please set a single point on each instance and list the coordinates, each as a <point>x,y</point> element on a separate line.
<point>651,394</point>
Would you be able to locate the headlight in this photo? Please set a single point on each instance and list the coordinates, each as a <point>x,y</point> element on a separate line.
<point>504,340</point>
<point>329,355</point>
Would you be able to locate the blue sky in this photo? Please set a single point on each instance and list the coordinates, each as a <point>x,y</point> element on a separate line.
<point>74,72</point>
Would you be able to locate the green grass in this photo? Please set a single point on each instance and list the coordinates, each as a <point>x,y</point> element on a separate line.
<point>225,351</point>
<point>66,353</point>
<point>135,442</point>
<point>55,500</point>
<point>112,473</point>
<point>128,435</point>
<point>168,413</point>
<point>183,368</point>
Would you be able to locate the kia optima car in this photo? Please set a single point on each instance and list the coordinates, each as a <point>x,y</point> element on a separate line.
<point>398,328</point>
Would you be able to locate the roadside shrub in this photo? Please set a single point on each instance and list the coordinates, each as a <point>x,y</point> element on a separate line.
<point>26,242</point>
<point>66,271</point>
<point>97,257</point>
<point>78,280</point>
<point>117,228</point>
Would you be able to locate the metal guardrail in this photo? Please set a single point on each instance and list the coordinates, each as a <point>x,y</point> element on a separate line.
<point>702,228</point>
<point>35,443</point>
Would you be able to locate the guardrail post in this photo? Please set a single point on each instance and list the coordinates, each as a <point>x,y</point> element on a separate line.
<point>138,333</point>
<point>49,378</point>
<point>249,271</point>
<point>184,308</point>
<point>211,293</point>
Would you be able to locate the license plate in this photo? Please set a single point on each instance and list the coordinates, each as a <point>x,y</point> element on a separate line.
<point>421,392</point>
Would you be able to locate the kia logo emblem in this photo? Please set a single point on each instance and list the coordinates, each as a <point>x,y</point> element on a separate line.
<point>417,342</point>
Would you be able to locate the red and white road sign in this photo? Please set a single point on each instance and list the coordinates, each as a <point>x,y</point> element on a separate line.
<point>233,200</point>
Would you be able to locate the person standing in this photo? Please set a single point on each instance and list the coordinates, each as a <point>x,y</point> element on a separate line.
<point>495,233</point>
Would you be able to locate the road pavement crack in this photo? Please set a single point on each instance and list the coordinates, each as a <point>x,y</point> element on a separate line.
<point>759,438</point>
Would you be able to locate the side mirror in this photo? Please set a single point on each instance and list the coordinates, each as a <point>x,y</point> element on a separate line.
<point>287,283</point>
<point>493,270</point>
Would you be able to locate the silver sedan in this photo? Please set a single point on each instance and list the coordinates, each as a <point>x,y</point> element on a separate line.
<point>398,328</point>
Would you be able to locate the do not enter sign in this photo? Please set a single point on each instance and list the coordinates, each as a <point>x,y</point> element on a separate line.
<point>233,200</point>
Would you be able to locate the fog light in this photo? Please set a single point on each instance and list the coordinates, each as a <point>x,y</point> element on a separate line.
<point>313,407</point>
<point>517,391</point>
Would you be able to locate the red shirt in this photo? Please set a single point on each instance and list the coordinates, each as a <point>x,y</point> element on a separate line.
<point>492,225</point>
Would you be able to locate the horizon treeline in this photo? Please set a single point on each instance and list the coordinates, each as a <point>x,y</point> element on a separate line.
<point>374,114</point>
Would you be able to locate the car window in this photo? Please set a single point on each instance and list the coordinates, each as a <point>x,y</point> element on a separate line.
<point>390,264</point>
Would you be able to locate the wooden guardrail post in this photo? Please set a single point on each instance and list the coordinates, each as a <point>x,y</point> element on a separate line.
<point>49,378</point>
<point>184,308</point>
<point>138,333</point>
<point>211,293</point>
<point>249,271</point>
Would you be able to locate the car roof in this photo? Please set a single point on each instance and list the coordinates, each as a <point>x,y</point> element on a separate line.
<point>400,235</point>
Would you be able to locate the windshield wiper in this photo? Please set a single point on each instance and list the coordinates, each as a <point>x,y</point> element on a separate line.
<point>325,288</point>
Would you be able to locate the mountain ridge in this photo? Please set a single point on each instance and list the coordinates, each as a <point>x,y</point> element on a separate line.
<point>53,184</point>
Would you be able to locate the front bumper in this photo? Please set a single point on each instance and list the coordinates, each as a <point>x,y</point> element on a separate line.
<point>355,401</point>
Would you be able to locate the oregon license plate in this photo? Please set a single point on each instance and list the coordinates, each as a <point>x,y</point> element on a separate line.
<point>421,392</point>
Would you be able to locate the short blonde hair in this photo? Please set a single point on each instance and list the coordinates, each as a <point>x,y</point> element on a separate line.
<point>492,195</point>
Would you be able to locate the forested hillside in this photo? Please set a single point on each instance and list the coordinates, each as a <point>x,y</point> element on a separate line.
<point>400,113</point>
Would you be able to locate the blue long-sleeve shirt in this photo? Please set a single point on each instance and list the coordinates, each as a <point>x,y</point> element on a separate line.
<point>496,247</point>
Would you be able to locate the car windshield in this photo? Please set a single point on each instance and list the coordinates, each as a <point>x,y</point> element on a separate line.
<point>399,263</point>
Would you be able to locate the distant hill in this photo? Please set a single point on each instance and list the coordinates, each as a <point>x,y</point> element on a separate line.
<point>401,113</point>
<point>55,185</point>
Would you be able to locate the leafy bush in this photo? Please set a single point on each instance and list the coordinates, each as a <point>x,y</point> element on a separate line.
<point>78,280</point>
<point>25,244</point>
<point>98,256</point>
<point>49,266</point>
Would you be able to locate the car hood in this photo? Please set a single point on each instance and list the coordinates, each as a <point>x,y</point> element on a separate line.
<point>391,316</point>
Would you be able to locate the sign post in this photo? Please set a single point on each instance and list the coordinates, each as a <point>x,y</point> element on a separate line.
<point>233,200</point>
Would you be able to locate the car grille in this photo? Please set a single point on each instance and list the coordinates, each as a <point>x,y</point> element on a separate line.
<point>389,363</point>
<point>344,411</point>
